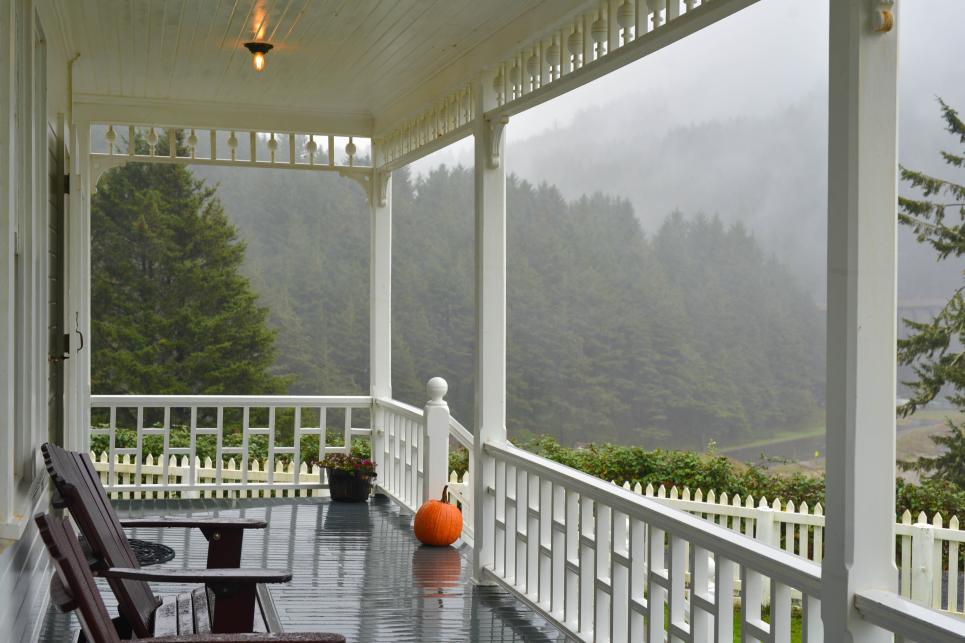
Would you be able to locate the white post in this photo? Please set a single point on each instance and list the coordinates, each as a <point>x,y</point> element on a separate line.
<point>922,568</point>
<point>77,368</point>
<point>380,304</point>
<point>490,425</point>
<point>380,288</point>
<point>435,466</point>
<point>862,221</point>
<point>8,226</point>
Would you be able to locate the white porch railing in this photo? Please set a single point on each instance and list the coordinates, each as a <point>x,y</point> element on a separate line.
<point>930,554</point>
<point>235,427</point>
<point>611,565</point>
<point>176,419</point>
<point>402,445</point>
<point>602,561</point>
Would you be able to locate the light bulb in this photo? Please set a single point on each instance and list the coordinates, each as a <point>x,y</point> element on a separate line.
<point>259,61</point>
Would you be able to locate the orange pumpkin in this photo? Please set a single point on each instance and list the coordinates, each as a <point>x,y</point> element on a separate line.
<point>438,523</point>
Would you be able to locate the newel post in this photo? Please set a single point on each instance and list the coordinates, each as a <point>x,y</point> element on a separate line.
<point>435,470</point>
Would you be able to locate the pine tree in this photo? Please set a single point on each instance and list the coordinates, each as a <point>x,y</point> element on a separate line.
<point>171,312</point>
<point>935,349</point>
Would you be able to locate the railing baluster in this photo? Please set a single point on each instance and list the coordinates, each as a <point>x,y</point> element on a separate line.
<point>602,536</point>
<point>499,558</point>
<point>657,583</point>
<point>812,627</point>
<point>545,545</point>
<point>587,566</point>
<point>702,603</point>
<point>571,606</point>
<point>780,613</point>
<point>619,577</point>
<point>511,511</point>
<point>558,545</point>
<point>677,589</point>
<point>522,526</point>
<point>637,552</point>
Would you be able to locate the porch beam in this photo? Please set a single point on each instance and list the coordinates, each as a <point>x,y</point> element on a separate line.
<point>490,237</point>
<point>213,115</point>
<point>862,221</point>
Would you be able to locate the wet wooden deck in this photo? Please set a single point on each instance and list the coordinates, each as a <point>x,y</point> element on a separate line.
<point>357,570</point>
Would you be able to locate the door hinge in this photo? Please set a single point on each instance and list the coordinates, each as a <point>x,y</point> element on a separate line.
<point>65,354</point>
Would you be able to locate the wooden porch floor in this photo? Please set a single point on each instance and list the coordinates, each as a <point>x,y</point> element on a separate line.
<point>357,570</point>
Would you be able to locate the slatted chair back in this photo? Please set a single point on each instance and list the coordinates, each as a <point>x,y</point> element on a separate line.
<point>72,586</point>
<point>83,495</point>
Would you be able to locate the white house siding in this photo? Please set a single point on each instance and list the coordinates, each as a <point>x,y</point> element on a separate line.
<point>33,116</point>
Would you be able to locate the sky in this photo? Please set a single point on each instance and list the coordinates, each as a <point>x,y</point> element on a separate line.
<point>762,59</point>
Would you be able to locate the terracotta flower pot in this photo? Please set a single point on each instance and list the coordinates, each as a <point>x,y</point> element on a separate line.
<point>346,487</point>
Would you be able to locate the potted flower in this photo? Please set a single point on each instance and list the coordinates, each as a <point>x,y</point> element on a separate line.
<point>349,476</point>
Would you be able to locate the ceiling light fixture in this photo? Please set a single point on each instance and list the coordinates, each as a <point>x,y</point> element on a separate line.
<point>258,51</point>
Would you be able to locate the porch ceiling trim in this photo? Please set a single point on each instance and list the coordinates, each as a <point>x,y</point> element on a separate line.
<point>567,51</point>
<point>93,108</point>
<point>556,77</point>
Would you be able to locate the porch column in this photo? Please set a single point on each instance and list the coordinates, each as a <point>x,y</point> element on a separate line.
<point>380,304</point>
<point>490,234</point>
<point>380,287</point>
<point>862,221</point>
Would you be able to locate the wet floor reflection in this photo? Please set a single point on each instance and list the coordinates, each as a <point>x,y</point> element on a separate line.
<point>357,570</point>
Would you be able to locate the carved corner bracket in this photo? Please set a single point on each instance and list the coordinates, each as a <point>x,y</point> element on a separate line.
<point>496,127</point>
<point>382,187</point>
<point>100,164</point>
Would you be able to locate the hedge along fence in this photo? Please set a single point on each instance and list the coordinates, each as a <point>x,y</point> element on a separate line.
<point>930,555</point>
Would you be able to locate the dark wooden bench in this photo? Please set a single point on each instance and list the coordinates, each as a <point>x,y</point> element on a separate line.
<point>235,606</point>
<point>185,618</point>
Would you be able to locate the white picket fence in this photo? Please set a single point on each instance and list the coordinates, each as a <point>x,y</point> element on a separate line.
<point>930,553</point>
<point>153,481</point>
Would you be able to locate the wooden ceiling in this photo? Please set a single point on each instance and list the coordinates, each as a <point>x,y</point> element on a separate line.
<point>330,56</point>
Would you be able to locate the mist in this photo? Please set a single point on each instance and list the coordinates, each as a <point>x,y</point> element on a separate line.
<point>733,122</point>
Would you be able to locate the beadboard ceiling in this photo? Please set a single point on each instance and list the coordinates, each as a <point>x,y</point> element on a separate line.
<point>362,57</point>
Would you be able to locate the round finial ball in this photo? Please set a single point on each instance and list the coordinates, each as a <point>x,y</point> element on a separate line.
<point>625,15</point>
<point>598,30</point>
<point>575,43</point>
<point>192,140</point>
<point>272,144</point>
<point>350,148</point>
<point>152,138</point>
<point>437,389</point>
<point>111,136</point>
<point>232,141</point>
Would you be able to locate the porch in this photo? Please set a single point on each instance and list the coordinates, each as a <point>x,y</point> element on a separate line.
<point>553,551</point>
<point>357,570</point>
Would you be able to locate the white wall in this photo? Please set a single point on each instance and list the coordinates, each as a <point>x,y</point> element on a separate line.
<point>33,108</point>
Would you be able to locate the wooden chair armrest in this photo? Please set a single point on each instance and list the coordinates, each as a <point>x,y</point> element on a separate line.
<point>220,576</point>
<point>285,637</point>
<point>200,523</point>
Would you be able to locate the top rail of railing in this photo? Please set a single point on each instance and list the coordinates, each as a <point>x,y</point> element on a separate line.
<point>909,620</point>
<point>233,401</point>
<point>456,430</point>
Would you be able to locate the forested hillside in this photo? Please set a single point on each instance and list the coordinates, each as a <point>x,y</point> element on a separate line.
<point>674,340</point>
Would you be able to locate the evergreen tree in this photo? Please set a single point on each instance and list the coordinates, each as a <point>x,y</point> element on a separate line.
<point>935,348</point>
<point>673,340</point>
<point>171,311</point>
